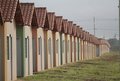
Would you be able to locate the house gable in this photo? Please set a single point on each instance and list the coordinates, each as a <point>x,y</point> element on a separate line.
<point>50,20</point>
<point>58,23</point>
<point>27,13</point>
<point>64,26</point>
<point>8,8</point>
<point>74,30</point>
<point>41,16</point>
<point>70,27</point>
<point>78,31</point>
<point>1,20</point>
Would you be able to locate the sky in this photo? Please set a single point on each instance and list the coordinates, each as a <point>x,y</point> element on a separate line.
<point>82,13</point>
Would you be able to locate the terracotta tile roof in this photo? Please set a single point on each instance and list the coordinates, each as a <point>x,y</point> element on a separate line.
<point>41,16</point>
<point>74,29</point>
<point>1,20</point>
<point>58,23</point>
<point>8,8</point>
<point>18,15</point>
<point>81,33</point>
<point>78,31</point>
<point>64,26</point>
<point>70,27</point>
<point>34,20</point>
<point>27,12</point>
<point>50,18</point>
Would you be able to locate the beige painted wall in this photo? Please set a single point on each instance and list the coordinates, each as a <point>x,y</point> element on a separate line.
<point>50,56</point>
<point>63,48</point>
<point>29,60</point>
<point>40,57</point>
<point>82,50</point>
<point>68,49</point>
<point>76,49</point>
<point>10,29</point>
<point>73,60</point>
<point>57,48</point>
<point>79,49</point>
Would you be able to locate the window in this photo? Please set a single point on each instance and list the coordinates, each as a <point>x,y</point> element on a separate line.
<point>73,46</point>
<point>63,44</point>
<point>26,46</point>
<point>49,45</point>
<point>68,45</point>
<point>57,46</point>
<point>40,45</point>
<point>8,51</point>
<point>9,46</point>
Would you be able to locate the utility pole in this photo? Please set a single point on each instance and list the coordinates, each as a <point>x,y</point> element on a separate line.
<point>94,26</point>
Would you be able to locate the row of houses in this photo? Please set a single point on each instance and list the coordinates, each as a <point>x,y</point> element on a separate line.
<point>33,39</point>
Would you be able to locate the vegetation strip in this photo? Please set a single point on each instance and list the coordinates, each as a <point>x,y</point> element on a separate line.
<point>104,68</point>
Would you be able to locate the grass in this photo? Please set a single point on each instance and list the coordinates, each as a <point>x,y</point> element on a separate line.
<point>104,68</point>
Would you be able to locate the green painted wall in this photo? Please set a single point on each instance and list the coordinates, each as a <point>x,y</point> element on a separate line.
<point>20,34</point>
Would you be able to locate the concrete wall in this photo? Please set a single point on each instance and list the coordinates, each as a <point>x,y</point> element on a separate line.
<point>79,49</point>
<point>34,48</point>
<point>40,53</point>
<point>57,49</point>
<point>73,58</point>
<point>76,48</point>
<point>50,49</point>
<point>1,52</point>
<point>10,32</point>
<point>63,48</point>
<point>68,49</point>
<point>82,50</point>
<point>20,50</point>
<point>29,59</point>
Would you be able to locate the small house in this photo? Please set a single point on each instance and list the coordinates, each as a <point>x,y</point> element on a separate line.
<point>58,40</point>
<point>24,41</point>
<point>48,40</point>
<point>64,40</point>
<point>38,57</point>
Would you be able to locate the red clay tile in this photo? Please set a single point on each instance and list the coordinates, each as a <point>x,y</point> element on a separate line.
<point>64,26</point>
<point>8,8</point>
<point>1,20</point>
<point>27,12</point>
<point>58,23</point>
<point>70,27</point>
<point>74,30</point>
<point>41,15</point>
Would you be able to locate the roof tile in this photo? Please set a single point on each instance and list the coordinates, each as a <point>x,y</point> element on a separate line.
<point>1,20</point>
<point>27,12</point>
<point>74,29</point>
<point>58,23</point>
<point>50,17</point>
<point>64,26</point>
<point>41,15</point>
<point>70,27</point>
<point>8,9</point>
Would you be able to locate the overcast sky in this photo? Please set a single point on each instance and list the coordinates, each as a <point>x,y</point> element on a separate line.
<point>82,12</point>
